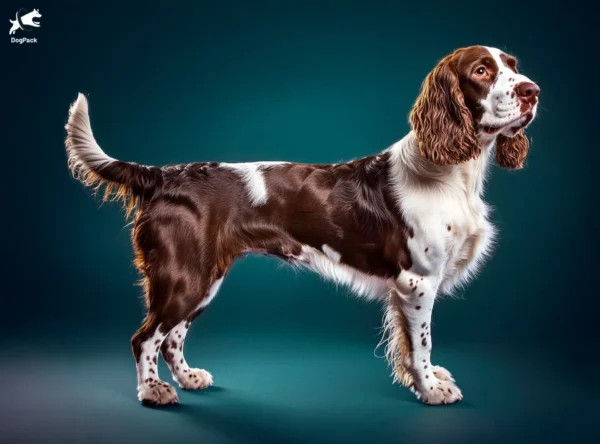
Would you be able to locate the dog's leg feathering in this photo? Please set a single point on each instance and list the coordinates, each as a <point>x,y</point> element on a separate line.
<point>396,341</point>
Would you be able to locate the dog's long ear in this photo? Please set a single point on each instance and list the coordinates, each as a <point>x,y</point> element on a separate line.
<point>512,151</point>
<point>441,121</point>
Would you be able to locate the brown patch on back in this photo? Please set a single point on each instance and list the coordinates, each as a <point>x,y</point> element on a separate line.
<point>348,207</point>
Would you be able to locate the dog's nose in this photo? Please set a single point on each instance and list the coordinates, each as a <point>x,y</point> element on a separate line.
<point>527,91</point>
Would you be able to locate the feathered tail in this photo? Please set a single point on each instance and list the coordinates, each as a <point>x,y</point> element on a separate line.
<point>89,164</point>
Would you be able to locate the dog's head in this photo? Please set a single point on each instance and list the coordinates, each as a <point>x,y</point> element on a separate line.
<point>33,15</point>
<point>471,97</point>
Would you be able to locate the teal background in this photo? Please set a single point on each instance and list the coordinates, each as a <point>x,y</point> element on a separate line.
<point>292,356</point>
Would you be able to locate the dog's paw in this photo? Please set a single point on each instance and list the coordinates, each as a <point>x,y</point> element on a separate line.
<point>441,392</point>
<point>156,392</point>
<point>195,379</point>
<point>441,373</point>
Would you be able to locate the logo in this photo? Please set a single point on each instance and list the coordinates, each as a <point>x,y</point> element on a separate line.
<point>24,21</point>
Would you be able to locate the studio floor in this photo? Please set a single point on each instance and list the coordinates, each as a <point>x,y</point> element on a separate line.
<point>294,391</point>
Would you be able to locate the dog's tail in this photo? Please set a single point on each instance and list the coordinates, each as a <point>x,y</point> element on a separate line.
<point>89,164</point>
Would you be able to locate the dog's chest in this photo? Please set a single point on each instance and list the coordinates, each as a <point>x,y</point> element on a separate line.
<point>451,234</point>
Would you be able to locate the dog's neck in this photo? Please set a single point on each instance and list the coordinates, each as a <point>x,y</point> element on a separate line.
<point>411,170</point>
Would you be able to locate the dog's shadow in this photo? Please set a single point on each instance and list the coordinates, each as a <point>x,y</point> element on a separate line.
<point>405,396</point>
<point>208,391</point>
<point>230,416</point>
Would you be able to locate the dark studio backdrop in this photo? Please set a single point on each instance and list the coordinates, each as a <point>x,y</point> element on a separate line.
<point>292,356</point>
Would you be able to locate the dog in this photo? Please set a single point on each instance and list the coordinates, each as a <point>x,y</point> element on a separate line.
<point>26,19</point>
<point>403,226</point>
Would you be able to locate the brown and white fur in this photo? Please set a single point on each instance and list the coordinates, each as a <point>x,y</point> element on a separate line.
<point>402,227</point>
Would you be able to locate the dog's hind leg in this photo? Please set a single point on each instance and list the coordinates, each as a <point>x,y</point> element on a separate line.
<point>172,347</point>
<point>15,26</point>
<point>181,274</point>
<point>146,344</point>
<point>165,328</point>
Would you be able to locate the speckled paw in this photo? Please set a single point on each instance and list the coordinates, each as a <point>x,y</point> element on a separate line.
<point>156,392</point>
<point>195,379</point>
<point>441,392</point>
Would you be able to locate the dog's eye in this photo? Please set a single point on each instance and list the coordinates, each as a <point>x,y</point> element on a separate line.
<point>481,71</point>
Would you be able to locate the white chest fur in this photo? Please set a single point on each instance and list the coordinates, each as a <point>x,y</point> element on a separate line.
<point>451,236</point>
<point>443,205</point>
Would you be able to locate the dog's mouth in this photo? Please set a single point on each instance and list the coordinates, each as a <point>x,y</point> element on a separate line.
<point>514,126</point>
<point>35,23</point>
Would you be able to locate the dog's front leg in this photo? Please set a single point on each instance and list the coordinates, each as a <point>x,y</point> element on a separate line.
<point>408,325</point>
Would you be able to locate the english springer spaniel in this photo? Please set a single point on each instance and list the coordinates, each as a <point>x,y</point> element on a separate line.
<point>402,227</point>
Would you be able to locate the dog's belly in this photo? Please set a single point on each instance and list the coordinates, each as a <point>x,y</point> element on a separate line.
<point>328,264</point>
